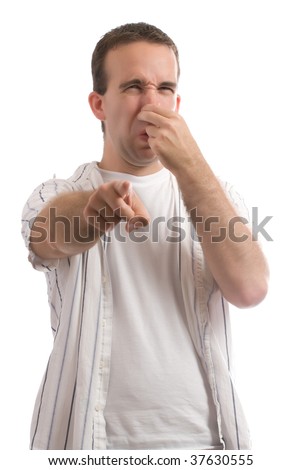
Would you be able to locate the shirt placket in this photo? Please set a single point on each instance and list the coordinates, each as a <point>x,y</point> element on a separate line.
<point>104,363</point>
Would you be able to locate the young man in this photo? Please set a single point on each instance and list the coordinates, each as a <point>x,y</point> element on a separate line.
<point>141,262</point>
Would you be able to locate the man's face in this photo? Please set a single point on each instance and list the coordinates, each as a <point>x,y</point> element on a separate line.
<point>138,73</point>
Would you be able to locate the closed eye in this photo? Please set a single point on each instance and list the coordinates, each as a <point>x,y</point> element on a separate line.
<point>131,86</point>
<point>166,89</point>
<point>134,87</point>
<point>139,86</point>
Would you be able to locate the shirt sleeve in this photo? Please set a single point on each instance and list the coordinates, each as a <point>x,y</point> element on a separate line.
<point>41,196</point>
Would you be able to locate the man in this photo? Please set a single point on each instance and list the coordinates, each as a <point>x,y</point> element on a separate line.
<point>141,264</point>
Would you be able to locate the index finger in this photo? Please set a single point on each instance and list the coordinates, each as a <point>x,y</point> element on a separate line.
<point>141,217</point>
<point>122,204</point>
<point>165,112</point>
<point>129,206</point>
<point>154,115</point>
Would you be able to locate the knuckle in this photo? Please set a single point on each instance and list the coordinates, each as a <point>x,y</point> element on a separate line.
<point>104,188</point>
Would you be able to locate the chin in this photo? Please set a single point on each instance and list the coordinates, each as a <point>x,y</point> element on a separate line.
<point>144,158</point>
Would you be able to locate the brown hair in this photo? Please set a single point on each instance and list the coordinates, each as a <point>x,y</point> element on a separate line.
<point>125,34</point>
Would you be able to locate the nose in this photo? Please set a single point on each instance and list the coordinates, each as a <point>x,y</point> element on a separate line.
<point>150,95</point>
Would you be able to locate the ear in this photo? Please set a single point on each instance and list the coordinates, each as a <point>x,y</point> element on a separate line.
<point>178,103</point>
<point>96,105</point>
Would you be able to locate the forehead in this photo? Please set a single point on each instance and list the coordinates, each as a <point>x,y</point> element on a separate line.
<point>141,60</point>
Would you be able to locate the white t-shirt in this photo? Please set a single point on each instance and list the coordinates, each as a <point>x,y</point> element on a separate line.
<point>158,396</point>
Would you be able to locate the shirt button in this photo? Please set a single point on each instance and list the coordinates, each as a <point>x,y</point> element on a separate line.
<point>101,364</point>
<point>97,407</point>
<point>104,279</point>
<point>104,322</point>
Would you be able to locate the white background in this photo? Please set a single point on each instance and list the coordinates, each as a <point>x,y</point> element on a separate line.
<point>240,88</point>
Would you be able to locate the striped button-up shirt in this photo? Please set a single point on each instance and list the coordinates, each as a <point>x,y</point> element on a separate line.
<point>69,408</point>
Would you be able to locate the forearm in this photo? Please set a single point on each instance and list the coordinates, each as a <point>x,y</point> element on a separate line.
<point>73,222</point>
<point>235,259</point>
<point>61,230</point>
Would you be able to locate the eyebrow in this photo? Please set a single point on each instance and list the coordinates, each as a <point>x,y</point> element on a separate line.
<point>137,81</point>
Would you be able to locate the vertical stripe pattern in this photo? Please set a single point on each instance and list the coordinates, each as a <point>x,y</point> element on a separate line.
<point>68,412</point>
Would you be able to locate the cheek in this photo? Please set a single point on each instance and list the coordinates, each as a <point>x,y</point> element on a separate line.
<point>128,108</point>
<point>123,118</point>
<point>119,114</point>
<point>169,102</point>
